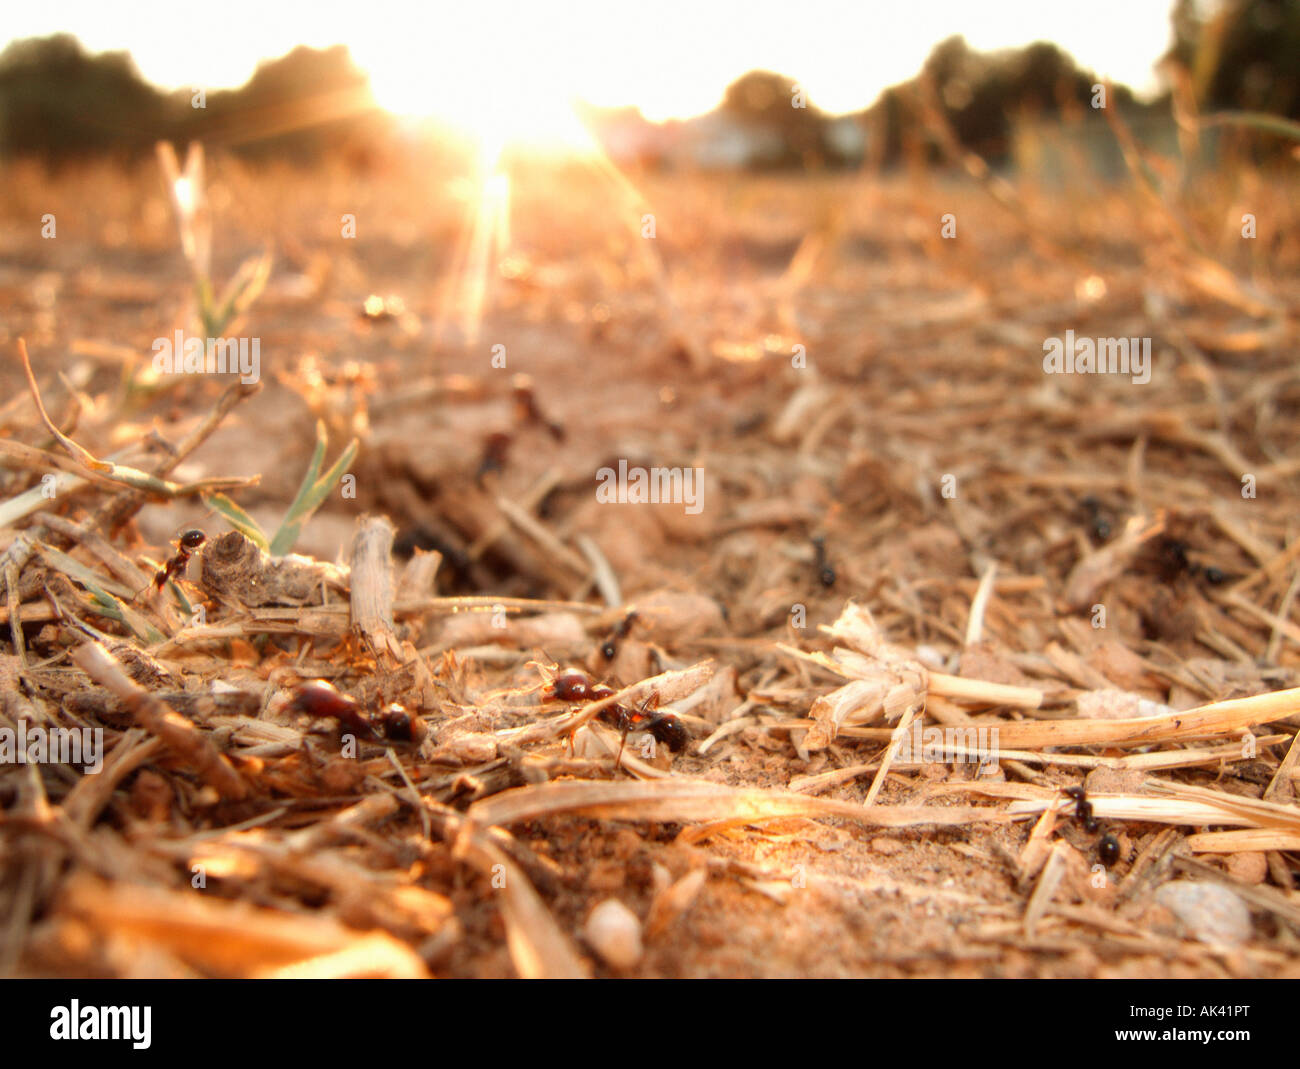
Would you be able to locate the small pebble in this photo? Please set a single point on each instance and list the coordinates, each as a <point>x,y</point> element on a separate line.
<point>1249,866</point>
<point>614,932</point>
<point>1209,912</point>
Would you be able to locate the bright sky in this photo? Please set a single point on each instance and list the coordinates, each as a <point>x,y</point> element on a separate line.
<point>670,57</point>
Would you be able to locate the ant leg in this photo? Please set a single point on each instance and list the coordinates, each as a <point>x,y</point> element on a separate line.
<point>618,761</point>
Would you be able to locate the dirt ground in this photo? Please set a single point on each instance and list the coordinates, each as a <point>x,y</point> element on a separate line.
<point>846,377</point>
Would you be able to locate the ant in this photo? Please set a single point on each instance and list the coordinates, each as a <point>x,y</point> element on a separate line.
<point>1174,562</point>
<point>609,648</point>
<point>1108,844</point>
<point>1097,521</point>
<point>574,685</point>
<point>1173,559</point>
<point>527,410</point>
<point>189,542</point>
<point>399,724</point>
<point>824,571</point>
<point>319,699</point>
<point>1082,807</point>
<point>496,451</point>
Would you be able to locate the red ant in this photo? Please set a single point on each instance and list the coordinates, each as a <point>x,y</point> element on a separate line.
<point>574,685</point>
<point>188,543</point>
<point>318,699</point>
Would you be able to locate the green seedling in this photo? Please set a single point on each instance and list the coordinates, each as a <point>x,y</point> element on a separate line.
<point>194,221</point>
<point>312,493</point>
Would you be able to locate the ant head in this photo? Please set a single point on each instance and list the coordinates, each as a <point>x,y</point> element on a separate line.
<point>400,725</point>
<point>671,732</point>
<point>189,535</point>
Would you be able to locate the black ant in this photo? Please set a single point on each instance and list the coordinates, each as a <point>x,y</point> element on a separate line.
<point>1097,521</point>
<point>1173,559</point>
<point>319,699</point>
<point>825,572</point>
<point>1108,844</point>
<point>189,542</point>
<point>609,648</point>
<point>1174,562</point>
<point>574,685</point>
<point>496,451</point>
<point>526,409</point>
<point>1082,807</point>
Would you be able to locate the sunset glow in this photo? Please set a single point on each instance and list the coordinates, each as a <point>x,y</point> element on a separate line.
<point>520,97</point>
<point>516,68</point>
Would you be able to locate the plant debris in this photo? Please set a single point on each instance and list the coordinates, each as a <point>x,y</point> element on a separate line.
<point>935,603</point>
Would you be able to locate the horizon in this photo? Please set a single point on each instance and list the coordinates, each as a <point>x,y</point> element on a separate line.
<point>836,51</point>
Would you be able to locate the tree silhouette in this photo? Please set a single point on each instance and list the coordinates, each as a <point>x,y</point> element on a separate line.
<point>765,100</point>
<point>1243,56</point>
<point>58,101</point>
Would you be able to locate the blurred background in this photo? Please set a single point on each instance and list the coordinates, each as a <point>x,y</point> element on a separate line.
<point>647,210</point>
<point>685,86</point>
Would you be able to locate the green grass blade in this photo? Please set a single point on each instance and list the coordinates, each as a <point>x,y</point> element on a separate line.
<point>1256,120</point>
<point>207,313</point>
<point>113,609</point>
<point>240,520</point>
<point>313,468</point>
<point>243,289</point>
<point>312,493</point>
<point>81,573</point>
<point>36,498</point>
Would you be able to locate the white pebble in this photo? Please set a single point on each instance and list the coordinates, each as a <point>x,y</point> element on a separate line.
<point>613,931</point>
<point>1211,913</point>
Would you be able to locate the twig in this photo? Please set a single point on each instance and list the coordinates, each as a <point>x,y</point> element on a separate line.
<point>975,625</point>
<point>153,715</point>
<point>371,590</point>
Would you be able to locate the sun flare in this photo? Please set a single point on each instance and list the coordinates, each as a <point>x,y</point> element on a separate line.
<point>516,100</point>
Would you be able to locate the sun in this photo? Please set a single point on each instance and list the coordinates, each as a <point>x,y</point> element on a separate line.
<point>510,97</point>
<point>515,97</point>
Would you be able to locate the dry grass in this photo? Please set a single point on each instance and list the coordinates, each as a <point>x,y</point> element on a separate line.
<point>799,834</point>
